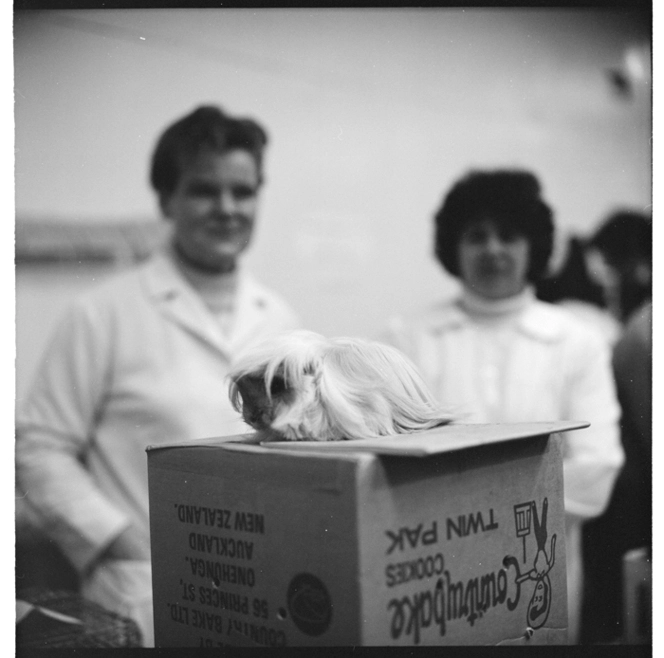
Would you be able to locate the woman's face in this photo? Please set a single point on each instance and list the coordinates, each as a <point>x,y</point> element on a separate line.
<point>493,259</point>
<point>213,208</point>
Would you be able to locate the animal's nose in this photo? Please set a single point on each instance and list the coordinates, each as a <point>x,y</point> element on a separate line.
<point>258,418</point>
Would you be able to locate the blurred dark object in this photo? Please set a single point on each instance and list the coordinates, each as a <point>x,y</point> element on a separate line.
<point>574,288</point>
<point>39,561</point>
<point>627,522</point>
<point>573,280</point>
<point>637,596</point>
<point>624,241</point>
<point>611,269</point>
<point>98,628</point>
<point>620,83</point>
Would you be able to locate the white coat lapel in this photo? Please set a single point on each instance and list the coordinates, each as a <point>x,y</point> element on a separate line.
<point>250,314</point>
<point>179,303</point>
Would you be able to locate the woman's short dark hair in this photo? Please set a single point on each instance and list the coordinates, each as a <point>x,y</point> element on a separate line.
<point>509,197</point>
<point>206,128</point>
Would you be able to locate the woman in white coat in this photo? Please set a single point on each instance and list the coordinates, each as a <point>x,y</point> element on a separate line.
<point>497,354</point>
<point>143,359</point>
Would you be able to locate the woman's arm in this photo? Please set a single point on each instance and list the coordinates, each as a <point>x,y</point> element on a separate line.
<point>55,427</point>
<point>593,456</point>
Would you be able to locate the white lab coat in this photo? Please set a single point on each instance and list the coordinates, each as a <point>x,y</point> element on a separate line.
<point>138,361</point>
<point>538,363</point>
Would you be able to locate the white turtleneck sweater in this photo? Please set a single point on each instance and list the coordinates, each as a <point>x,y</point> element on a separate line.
<point>494,333</point>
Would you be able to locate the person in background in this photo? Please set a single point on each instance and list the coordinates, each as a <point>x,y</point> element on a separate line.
<point>142,360</point>
<point>575,288</point>
<point>627,522</point>
<point>607,280</point>
<point>606,276</point>
<point>497,354</point>
<point>619,253</point>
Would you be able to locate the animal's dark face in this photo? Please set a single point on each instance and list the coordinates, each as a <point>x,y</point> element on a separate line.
<point>259,409</point>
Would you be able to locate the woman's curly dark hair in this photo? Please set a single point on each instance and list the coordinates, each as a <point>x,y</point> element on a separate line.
<point>206,128</point>
<point>509,197</point>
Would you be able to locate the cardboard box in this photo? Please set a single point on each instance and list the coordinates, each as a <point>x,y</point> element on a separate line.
<point>451,536</point>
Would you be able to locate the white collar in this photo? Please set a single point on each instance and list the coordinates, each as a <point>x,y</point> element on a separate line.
<point>478,306</point>
<point>166,279</point>
<point>535,318</point>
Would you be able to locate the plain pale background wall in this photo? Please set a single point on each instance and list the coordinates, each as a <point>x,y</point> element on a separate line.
<point>372,115</point>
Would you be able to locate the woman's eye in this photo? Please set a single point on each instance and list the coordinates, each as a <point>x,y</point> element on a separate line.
<point>243,192</point>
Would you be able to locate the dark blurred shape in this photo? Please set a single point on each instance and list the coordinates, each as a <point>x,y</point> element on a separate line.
<point>624,240</point>
<point>620,83</point>
<point>573,280</point>
<point>40,562</point>
<point>623,243</point>
<point>637,596</point>
<point>99,628</point>
<point>624,237</point>
<point>611,272</point>
<point>627,522</point>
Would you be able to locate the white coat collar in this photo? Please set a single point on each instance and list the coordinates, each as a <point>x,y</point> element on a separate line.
<point>180,303</point>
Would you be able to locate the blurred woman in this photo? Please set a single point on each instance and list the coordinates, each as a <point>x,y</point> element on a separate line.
<point>497,354</point>
<point>142,360</point>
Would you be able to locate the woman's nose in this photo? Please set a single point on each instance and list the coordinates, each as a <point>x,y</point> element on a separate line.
<point>493,244</point>
<point>225,202</point>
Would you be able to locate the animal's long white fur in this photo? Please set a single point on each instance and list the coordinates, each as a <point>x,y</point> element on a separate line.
<point>303,386</point>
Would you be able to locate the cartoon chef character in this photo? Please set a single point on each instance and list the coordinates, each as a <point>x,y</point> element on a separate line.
<point>540,603</point>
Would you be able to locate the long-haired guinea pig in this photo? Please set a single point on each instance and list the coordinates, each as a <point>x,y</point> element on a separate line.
<point>303,386</point>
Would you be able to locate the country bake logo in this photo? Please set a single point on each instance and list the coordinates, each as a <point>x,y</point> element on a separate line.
<point>309,604</point>
<point>452,598</point>
<point>540,603</point>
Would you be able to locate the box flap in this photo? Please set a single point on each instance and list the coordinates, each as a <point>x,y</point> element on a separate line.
<point>455,436</point>
<point>215,441</point>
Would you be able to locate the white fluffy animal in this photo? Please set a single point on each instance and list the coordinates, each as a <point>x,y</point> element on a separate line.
<point>303,386</point>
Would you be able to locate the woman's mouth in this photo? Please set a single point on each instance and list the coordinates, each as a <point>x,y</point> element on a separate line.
<point>493,269</point>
